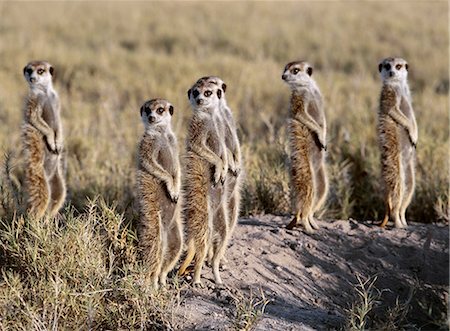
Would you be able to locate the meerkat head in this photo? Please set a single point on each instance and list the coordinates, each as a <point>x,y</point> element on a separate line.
<point>38,74</point>
<point>156,112</point>
<point>297,74</point>
<point>205,95</point>
<point>393,69</point>
<point>214,80</point>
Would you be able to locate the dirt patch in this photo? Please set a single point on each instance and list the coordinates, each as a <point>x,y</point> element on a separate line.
<point>310,280</point>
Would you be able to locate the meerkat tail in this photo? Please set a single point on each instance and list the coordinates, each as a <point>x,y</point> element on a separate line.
<point>188,259</point>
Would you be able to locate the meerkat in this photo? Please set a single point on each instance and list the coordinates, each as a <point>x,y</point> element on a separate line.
<point>42,138</point>
<point>307,133</point>
<point>158,186</point>
<point>234,178</point>
<point>206,170</point>
<point>398,134</point>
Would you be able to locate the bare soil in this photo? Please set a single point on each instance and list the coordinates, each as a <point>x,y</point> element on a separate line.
<point>310,279</point>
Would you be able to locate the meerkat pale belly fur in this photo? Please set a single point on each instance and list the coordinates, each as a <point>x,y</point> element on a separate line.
<point>397,133</point>
<point>42,140</point>
<point>234,177</point>
<point>158,186</point>
<point>206,215</point>
<point>307,136</point>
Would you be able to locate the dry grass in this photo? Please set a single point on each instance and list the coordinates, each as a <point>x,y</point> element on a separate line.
<point>110,57</point>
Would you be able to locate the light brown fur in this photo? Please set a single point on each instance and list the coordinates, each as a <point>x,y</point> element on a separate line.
<point>307,136</point>
<point>42,143</point>
<point>206,214</point>
<point>234,177</point>
<point>158,187</point>
<point>397,133</point>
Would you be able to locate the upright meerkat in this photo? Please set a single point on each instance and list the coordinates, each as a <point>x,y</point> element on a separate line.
<point>234,178</point>
<point>158,186</point>
<point>307,133</point>
<point>42,142</point>
<point>206,171</point>
<point>397,133</point>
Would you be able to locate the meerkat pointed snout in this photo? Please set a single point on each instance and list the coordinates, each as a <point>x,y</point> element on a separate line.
<point>38,73</point>
<point>156,112</point>
<point>307,135</point>
<point>205,98</point>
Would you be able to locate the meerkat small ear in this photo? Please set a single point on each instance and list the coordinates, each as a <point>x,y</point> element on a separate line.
<point>309,71</point>
<point>406,66</point>
<point>24,70</point>
<point>224,87</point>
<point>189,94</point>
<point>142,110</point>
<point>380,66</point>
<point>51,70</point>
<point>171,110</point>
<point>219,93</point>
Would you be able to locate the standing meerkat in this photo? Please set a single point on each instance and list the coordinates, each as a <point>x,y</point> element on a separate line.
<point>397,133</point>
<point>42,142</point>
<point>234,177</point>
<point>206,170</point>
<point>158,186</point>
<point>307,133</point>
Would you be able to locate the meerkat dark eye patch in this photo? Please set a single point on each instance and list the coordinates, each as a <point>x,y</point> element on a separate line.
<point>29,71</point>
<point>398,66</point>
<point>160,110</point>
<point>219,93</point>
<point>387,66</point>
<point>295,71</point>
<point>195,93</point>
<point>309,71</point>
<point>207,93</point>
<point>40,71</point>
<point>171,110</point>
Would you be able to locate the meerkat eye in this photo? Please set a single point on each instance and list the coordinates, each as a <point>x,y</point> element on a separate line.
<point>40,71</point>
<point>195,93</point>
<point>295,71</point>
<point>208,93</point>
<point>160,110</point>
<point>387,66</point>
<point>398,66</point>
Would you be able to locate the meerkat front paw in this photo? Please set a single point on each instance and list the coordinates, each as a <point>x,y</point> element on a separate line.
<point>51,143</point>
<point>413,141</point>
<point>58,145</point>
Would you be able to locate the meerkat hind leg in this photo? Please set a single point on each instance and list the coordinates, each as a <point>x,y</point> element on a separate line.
<point>313,223</point>
<point>199,261</point>
<point>409,190</point>
<point>307,225</point>
<point>57,192</point>
<point>294,222</point>
<point>172,253</point>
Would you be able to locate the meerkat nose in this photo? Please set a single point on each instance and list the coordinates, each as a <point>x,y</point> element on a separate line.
<point>284,76</point>
<point>151,119</point>
<point>32,79</point>
<point>391,74</point>
<point>200,102</point>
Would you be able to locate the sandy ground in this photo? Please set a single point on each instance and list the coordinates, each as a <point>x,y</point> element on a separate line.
<point>310,280</point>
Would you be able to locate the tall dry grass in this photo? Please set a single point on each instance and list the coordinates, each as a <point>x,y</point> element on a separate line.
<point>110,57</point>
